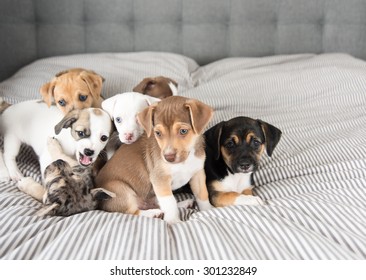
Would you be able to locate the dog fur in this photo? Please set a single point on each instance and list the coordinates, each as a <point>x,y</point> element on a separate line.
<point>159,87</point>
<point>169,155</point>
<point>123,109</point>
<point>32,122</point>
<point>234,149</point>
<point>68,187</point>
<point>75,88</point>
<point>3,170</point>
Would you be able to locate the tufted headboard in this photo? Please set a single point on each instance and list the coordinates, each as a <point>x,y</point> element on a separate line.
<point>204,30</point>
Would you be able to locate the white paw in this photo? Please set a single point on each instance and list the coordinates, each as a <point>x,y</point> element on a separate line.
<point>204,205</point>
<point>187,204</point>
<point>25,183</point>
<point>53,145</point>
<point>172,220</point>
<point>152,213</point>
<point>248,200</point>
<point>15,175</point>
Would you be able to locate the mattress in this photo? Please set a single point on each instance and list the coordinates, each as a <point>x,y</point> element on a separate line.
<point>314,183</point>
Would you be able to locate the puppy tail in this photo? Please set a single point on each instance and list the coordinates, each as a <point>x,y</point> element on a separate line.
<point>173,88</point>
<point>48,210</point>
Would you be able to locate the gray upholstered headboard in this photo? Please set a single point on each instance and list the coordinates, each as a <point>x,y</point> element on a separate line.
<point>205,30</point>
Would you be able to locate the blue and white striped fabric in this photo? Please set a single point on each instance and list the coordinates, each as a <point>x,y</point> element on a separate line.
<point>314,183</point>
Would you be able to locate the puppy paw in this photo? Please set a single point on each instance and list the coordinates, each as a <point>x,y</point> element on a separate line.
<point>15,175</point>
<point>172,219</point>
<point>25,183</point>
<point>152,213</point>
<point>187,204</point>
<point>53,146</point>
<point>204,204</point>
<point>248,200</point>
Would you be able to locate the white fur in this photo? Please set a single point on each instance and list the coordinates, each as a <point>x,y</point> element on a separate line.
<point>32,122</point>
<point>173,88</point>
<point>248,200</point>
<point>169,206</point>
<point>182,172</point>
<point>237,182</point>
<point>126,106</point>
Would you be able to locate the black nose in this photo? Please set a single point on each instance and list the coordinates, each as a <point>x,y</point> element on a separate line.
<point>88,152</point>
<point>245,164</point>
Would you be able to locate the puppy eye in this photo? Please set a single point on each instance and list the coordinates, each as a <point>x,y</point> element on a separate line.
<point>183,131</point>
<point>230,144</point>
<point>62,102</point>
<point>118,120</point>
<point>104,138</point>
<point>81,134</point>
<point>256,143</point>
<point>82,97</point>
<point>158,133</point>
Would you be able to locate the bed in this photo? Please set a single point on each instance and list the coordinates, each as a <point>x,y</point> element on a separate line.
<point>298,65</point>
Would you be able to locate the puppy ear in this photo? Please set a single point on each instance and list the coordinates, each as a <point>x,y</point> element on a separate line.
<point>67,121</point>
<point>173,85</point>
<point>145,118</point>
<point>272,136</point>
<point>47,92</point>
<point>213,137</point>
<point>108,104</point>
<point>93,81</point>
<point>101,194</point>
<point>200,114</point>
<point>144,85</point>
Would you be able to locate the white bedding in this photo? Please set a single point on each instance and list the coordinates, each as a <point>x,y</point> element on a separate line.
<point>314,183</point>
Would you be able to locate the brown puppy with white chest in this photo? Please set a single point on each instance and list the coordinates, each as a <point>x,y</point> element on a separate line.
<point>170,154</point>
<point>75,88</point>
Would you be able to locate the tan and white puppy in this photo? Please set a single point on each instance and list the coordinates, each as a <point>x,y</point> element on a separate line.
<point>169,155</point>
<point>123,109</point>
<point>75,88</point>
<point>32,122</point>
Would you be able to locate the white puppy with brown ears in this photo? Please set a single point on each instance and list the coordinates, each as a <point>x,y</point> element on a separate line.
<point>32,122</point>
<point>123,109</point>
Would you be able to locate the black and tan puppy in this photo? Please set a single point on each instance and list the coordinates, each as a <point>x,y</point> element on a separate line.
<point>233,151</point>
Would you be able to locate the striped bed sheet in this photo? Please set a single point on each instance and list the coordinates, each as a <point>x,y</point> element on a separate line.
<point>314,183</point>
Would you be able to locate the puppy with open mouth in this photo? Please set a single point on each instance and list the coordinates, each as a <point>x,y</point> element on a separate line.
<point>31,122</point>
<point>233,151</point>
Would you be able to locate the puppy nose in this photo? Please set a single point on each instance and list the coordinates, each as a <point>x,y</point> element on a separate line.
<point>245,164</point>
<point>88,152</point>
<point>129,136</point>
<point>170,157</point>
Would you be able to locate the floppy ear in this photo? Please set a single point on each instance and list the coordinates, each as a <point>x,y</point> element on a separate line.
<point>144,85</point>
<point>108,104</point>
<point>67,121</point>
<point>212,138</point>
<point>200,114</point>
<point>101,194</point>
<point>145,118</point>
<point>93,81</point>
<point>47,92</point>
<point>272,136</point>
